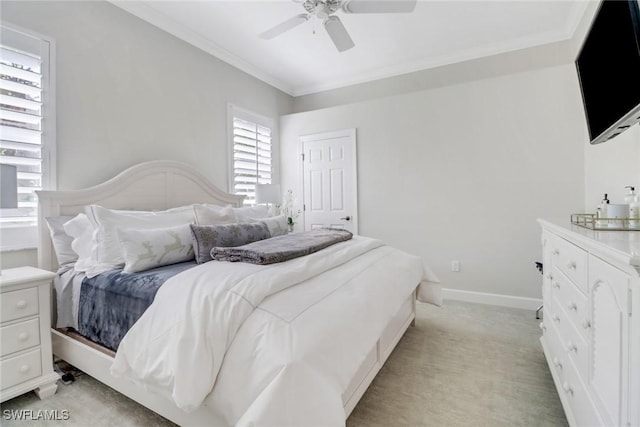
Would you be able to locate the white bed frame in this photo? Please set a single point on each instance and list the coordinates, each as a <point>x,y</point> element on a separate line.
<point>159,185</point>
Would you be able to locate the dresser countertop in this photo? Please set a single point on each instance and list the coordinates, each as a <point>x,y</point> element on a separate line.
<point>622,245</point>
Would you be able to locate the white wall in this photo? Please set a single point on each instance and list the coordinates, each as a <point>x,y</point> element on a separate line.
<point>129,92</point>
<point>611,166</point>
<point>463,171</point>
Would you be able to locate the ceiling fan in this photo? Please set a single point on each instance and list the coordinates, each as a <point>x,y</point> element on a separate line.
<point>324,10</point>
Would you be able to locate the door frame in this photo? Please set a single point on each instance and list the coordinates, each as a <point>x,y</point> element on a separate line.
<point>344,133</point>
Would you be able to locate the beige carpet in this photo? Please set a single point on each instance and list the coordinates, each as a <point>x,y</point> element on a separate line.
<point>461,365</point>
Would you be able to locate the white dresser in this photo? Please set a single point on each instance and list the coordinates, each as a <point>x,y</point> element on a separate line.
<point>26,361</point>
<point>591,326</point>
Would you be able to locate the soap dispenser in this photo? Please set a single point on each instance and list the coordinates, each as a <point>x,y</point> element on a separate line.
<point>601,212</point>
<point>631,195</point>
<point>633,200</point>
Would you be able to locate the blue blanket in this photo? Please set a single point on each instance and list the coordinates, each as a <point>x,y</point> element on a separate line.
<point>111,302</point>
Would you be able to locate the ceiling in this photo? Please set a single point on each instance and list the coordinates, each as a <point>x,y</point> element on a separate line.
<point>302,61</point>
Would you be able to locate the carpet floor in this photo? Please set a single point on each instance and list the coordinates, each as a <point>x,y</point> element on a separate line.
<point>461,365</point>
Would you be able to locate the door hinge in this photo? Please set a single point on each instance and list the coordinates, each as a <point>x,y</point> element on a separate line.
<point>302,156</point>
<point>630,303</point>
<point>304,208</point>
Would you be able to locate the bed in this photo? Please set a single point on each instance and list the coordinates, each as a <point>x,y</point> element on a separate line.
<point>293,343</point>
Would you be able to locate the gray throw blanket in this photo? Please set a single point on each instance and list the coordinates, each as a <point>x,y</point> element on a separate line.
<point>281,248</point>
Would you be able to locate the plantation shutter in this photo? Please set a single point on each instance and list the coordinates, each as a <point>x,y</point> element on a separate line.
<point>21,93</point>
<point>251,158</point>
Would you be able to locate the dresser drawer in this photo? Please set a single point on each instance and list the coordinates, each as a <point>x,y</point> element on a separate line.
<point>18,304</point>
<point>573,302</point>
<point>578,400</point>
<point>19,336</point>
<point>16,370</point>
<point>571,260</point>
<point>573,343</point>
<point>557,356</point>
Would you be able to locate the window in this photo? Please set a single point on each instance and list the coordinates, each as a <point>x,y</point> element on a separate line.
<point>27,133</point>
<point>252,152</point>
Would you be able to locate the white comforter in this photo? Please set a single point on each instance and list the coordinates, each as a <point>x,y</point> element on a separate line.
<point>291,335</point>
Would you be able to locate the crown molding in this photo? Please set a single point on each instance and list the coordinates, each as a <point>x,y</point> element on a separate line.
<point>166,23</point>
<point>433,62</point>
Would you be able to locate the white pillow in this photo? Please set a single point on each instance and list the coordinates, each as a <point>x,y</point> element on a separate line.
<point>213,215</point>
<point>258,211</point>
<point>81,231</point>
<point>61,241</point>
<point>277,225</point>
<point>146,249</point>
<point>107,221</point>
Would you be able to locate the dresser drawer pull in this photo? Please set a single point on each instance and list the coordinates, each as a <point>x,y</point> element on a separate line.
<point>556,285</point>
<point>23,336</point>
<point>571,265</point>
<point>572,347</point>
<point>572,306</point>
<point>542,326</point>
<point>557,363</point>
<point>21,304</point>
<point>567,388</point>
<point>556,318</point>
<point>549,276</point>
<point>556,251</point>
<point>586,324</point>
<point>24,369</point>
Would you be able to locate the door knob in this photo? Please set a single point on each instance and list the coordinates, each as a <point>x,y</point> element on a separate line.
<point>346,218</point>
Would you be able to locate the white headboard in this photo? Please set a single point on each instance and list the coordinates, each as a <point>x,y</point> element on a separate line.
<point>154,185</point>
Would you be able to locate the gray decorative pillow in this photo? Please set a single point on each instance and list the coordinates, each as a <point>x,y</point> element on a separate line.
<point>206,237</point>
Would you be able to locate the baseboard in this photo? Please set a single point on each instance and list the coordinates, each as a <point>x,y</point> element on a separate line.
<point>492,299</point>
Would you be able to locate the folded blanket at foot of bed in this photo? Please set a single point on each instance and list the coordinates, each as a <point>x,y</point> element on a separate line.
<point>281,248</point>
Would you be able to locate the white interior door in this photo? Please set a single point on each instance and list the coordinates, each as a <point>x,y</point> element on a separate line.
<point>329,178</point>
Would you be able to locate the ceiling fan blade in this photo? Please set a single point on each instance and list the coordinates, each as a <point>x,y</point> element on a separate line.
<point>338,33</point>
<point>285,26</point>
<point>379,6</point>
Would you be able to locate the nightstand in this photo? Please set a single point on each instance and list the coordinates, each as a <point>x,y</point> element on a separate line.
<point>26,359</point>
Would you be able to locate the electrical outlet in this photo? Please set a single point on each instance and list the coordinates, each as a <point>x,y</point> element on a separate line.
<point>455,265</point>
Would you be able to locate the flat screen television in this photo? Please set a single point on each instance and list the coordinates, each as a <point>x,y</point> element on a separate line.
<point>609,70</point>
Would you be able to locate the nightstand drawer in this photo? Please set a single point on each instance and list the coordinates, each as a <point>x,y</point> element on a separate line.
<point>18,304</point>
<point>20,336</point>
<point>19,369</point>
